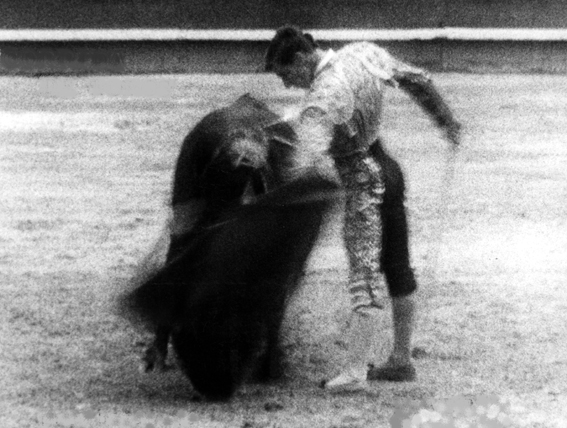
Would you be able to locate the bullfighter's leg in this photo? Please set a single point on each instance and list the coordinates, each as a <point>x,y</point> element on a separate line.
<point>401,284</point>
<point>395,263</point>
<point>362,233</point>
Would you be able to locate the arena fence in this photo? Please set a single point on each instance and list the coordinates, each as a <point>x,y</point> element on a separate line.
<point>142,51</point>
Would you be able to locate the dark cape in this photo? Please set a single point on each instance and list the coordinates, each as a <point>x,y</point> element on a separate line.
<point>225,293</point>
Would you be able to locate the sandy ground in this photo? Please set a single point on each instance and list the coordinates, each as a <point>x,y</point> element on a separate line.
<point>85,168</point>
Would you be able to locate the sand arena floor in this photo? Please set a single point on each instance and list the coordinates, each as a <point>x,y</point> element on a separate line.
<point>85,172</point>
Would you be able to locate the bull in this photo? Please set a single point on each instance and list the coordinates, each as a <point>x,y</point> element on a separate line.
<point>242,232</point>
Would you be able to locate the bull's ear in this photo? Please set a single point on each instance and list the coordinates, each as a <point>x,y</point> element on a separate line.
<point>311,40</point>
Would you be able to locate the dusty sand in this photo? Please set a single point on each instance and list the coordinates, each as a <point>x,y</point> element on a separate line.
<point>85,167</point>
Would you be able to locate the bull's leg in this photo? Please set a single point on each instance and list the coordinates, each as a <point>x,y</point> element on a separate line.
<point>270,363</point>
<point>156,354</point>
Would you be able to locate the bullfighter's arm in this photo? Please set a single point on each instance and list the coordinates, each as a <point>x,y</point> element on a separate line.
<point>420,87</point>
<point>417,83</point>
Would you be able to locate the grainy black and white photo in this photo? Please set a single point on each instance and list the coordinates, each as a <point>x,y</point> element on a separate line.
<point>269,214</point>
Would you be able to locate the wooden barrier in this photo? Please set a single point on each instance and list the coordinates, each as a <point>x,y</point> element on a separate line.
<point>142,51</point>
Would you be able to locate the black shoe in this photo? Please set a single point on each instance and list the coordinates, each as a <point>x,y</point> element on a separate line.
<point>392,373</point>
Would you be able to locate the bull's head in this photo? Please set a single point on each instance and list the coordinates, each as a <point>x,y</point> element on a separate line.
<point>247,147</point>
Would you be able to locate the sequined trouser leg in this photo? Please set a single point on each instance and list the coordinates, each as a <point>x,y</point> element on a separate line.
<point>362,178</point>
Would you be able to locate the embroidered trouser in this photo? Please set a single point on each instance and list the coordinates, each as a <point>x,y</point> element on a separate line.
<point>376,239</point>
<point>363,181</point>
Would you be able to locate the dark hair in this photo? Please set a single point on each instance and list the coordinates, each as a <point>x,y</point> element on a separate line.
<point>286,43</point>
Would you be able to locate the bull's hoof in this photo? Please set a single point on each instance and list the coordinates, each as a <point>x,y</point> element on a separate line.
<point>196,397</point>
<point>268,375</point>
<point>153,361</point>
<point>270,368</point>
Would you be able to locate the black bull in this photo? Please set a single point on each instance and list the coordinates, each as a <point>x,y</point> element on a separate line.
<point>223,291</point>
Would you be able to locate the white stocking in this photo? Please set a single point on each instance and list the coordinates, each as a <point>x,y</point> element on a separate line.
<point>361,333</point>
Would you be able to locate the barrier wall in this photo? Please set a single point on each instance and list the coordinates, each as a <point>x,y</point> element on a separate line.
<point>524,52</point>
<point>173,42</point>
